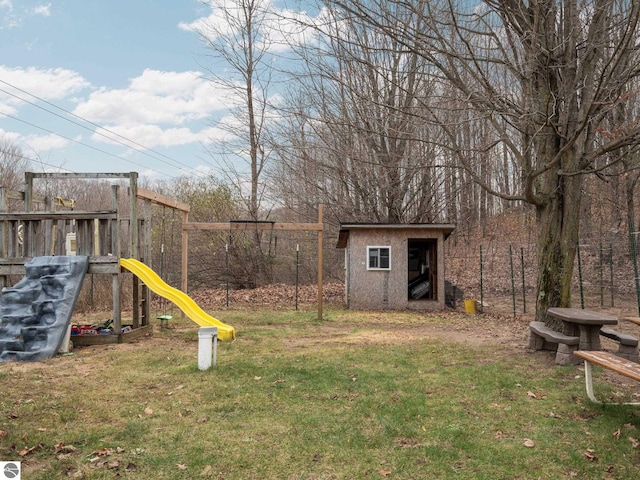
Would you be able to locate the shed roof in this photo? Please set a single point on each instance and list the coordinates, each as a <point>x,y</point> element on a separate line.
<point>345,228</point>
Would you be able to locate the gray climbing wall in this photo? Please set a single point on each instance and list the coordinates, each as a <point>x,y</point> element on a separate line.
<point>35,313</point>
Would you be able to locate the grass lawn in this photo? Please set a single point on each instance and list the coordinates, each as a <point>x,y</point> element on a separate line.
<point>359,395</point>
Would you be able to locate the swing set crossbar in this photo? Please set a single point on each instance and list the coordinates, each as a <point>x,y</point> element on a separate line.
<point>194,226</point>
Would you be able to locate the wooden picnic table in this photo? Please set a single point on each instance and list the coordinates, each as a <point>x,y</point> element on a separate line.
<point>585,323</point>
<point>612,362</point>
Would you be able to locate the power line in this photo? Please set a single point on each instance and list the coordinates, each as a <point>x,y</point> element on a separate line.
<point>142,149</point>
<point>34,160</point>
<point>82,143</point>
<point>84,126</point>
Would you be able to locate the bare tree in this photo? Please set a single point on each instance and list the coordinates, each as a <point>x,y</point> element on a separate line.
<point>355,132</point>
<point>237,37</point>
<point>13,164</point>
<point>545,75</point>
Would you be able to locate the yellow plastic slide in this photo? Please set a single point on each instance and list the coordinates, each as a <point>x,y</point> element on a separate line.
<point>181,299</point>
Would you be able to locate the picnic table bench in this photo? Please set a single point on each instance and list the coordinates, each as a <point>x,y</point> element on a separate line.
<point>627,344</point>
<point>609,361</point>
<point>542,337</point>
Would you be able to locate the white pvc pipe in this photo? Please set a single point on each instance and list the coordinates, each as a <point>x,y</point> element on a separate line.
<point>207,338</point>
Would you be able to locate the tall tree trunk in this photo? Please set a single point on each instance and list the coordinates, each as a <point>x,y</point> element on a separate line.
<point>557,237</point>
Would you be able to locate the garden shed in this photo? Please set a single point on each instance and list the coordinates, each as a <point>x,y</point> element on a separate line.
<point>394,266</point>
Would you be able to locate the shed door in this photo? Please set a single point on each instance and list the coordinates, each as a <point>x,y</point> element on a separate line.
<point>422,269</point>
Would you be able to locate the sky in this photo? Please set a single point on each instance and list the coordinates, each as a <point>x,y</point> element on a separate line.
<point>109,86</point>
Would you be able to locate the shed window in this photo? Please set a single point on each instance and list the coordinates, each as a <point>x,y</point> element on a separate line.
<point>378,258</point>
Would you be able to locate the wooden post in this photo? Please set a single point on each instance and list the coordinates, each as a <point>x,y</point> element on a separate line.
<point>146,245</point>
<point>320,263</point>
<point>116,289</point>
<point>116,279</point>
<point>185,252</point>
<point>133,227</point>
<point>3,234</point>
<point>28,191</point>
<point>133,244</point>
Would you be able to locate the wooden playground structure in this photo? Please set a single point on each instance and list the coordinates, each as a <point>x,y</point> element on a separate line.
<point>39,226</point>
<point>121,230</point>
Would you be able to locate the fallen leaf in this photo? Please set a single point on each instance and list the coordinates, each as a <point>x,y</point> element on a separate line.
<point>206,470</point>
<point>26,450</point>
<point>148,411</point>
<point>102,452</point>
<point>3,434</point>
<point>537,396</point>
<point>257,378</point>
<point>181,466</point>
<point>202,420</point>
<point>280,380</point>
<point>61,447</point>
<point>616,434</point>
<point>385,473</point>
<point>131,467</point>
<point>529,443</point>
<point>635,443</point>
<point>590,455</point>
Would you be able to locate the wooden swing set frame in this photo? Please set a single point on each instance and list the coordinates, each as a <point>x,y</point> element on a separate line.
<point>188,226</point>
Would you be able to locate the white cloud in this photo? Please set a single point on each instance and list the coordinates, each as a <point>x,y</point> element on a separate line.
<point>43,9</point>
<point>12,19</point>
<point>6,108</point>
<point>278,29</point>
<point>44,143</point>
<point>9,136</point>
<point>209,27</point>
<point>8,19</point>
<point>287,28</point>
<point>49,84</point>
<point>35,144</point>
<point>155,97</point>
<point>152,136</point>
